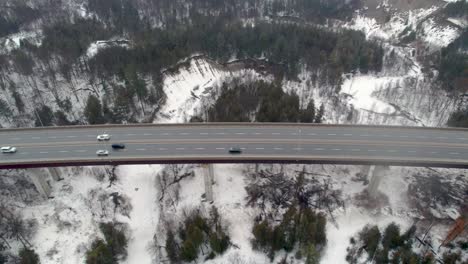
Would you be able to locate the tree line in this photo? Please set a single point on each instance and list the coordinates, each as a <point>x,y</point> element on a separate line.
<point>453,75</point>
<point>300,229</point>
<point>14,15</point>
<point>198,236</point>
<point>390,245</point>
<point>261,102</point>
<point>334,53</point>
<point>111,249</point>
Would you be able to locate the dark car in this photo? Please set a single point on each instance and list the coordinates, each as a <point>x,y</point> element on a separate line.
<point>118,146</point>
<point>235,150</point>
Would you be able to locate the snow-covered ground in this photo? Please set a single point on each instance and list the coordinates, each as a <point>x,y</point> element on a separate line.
<point>68,223</point>
<point>402,24</point>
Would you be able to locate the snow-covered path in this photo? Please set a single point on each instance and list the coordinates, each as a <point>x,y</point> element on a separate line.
<point>139,183</point>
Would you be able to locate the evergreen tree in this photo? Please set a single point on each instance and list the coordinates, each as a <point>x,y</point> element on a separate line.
<point>100,253</point>
<point>391,238</point>
<point>313,257</point>
<point>93,111</point>
<point>319,116</point>
<point>28,256</point>
<point>44,116</point>
<point>308,114</point>
<point>370,236</point>
<point>171,246</point>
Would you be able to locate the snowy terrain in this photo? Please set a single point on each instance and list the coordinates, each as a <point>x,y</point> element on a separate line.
<point>399,95</point>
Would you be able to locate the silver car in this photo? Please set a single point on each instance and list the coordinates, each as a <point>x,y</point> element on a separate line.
<point>103,137</point>
<point>8,149</point>
<point>102,152</point>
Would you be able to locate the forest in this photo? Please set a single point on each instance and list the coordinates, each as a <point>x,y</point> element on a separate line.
<point>261,102</point>
<point>453,74</point>
<point>290,45</point>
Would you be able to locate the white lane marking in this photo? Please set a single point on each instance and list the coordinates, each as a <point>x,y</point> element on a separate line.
<point>256,133</point>
<point>184,133</point>
<point>199,148</point>
<point>180,148</point>
<point>312,134</point>
<point>240,133</point>
<point>24,153</point>
<point>355,150</point>
<point>35,137</point>
<point>391,150</point>
<point>43,152</point>
<point>443,137</point>
<point>243,148</point>
<point>404,136</point>
<point>162,148</point>
<point>16,138</point>
<point>298,148</point>
<point>220,133</point>
<point>220,148</point>
<point>278,148</point>
<point>147,134</point>
<point>294,134</point>
<point>454,153</point>
<point>372,150</point>
<point>141,149</point>
<point>347,134</point>
<point>331,134</point>
<point>364,135</point>
<point>165,134</point>
<point>276,133</point>
<point>336,149</point>
<point>421,136</point>
<point>462,138</point>
<point>259,148</point>
<point>71,136</point>
<point>204,133</point>
<point>63,151</point>
<point>81,150</point>
<point>411,151</point>
<point>131,134</point>
<point>319,149</point>
<point>86,135</point>
<point>53,137</point>
<point>386,136</point>
<point>434,152</point>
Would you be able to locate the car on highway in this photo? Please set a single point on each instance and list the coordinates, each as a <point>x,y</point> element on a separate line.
<point>103,137</point>
<point>118,146</point>
<point>102,152</point>
<point>235,150</point>
<point>8,149</point>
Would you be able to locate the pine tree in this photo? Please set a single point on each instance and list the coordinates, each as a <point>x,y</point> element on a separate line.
<point>319,116</point>
<point>313,257</point>
<point>93,111</point>
<point>171,246</point>
<point>28,256</point>
<point>100,253</point>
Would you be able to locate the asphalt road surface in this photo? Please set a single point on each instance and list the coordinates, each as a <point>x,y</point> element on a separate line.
<point>199,143</point>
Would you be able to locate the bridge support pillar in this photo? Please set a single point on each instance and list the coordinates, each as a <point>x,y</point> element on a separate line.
<point>39,178</point>
<point>375,177</point>
<point>257,167</point>
<point>55,173</point>
<point>209,180</point>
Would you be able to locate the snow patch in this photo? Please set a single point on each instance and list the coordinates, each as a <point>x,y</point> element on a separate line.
<point>361,89</point>
<point>96,46</point>
<point>437,35</point>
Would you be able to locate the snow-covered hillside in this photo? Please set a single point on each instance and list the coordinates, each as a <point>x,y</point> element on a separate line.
<point>403,93</point>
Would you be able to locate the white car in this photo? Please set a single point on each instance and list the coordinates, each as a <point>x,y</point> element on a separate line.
<point>103,137</point>
<point>8,149</point>
<point>102,152</point>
